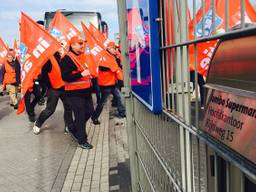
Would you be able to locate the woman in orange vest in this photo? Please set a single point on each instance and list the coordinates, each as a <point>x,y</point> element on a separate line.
<point>51,76</point>
<point>77,72</point>
<point>10,82</point>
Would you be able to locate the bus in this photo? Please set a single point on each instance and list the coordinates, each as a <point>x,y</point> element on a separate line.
<point>75,17</point>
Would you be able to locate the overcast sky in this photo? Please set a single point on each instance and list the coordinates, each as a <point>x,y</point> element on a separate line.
<point>10,13</point>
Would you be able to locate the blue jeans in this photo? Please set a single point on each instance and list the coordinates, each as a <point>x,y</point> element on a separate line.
<point>106,91</point>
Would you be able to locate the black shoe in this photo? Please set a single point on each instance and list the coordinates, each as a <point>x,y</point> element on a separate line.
<point>15,106</point>
<point>120,116</point>
<point>11,105</point>
<point>1,94</point>
<point>86,146</point>
<point>32,118</point>
<point>95,121</point>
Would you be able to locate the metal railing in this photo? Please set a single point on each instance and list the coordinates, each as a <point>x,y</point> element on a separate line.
<point>169,152</point>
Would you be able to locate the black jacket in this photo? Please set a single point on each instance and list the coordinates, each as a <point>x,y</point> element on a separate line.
<point>67,67</point>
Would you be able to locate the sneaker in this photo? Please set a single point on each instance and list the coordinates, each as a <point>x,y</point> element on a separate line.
<point>95,121</point>
<point>86,146</point>
<point>66,131</point>
<point>1,94</point>
<point>15,106</point>
<point>36,130</point>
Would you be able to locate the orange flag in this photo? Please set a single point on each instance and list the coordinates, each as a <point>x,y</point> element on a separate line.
<point>36,46</point>
<point>102,40</point>
<point>63,30</point>
<point>205,49</point>
<point>100,55</point>
<point>16,50</point>
<point>3,52</point>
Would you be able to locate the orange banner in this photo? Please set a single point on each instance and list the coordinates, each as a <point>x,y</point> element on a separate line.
<point>3,51</point>
<point>36,46</point>
<point>16,50</point>
<point>100,55</point>
<point>205,50</point>
<point>102,40</point>
<point>63,30</point>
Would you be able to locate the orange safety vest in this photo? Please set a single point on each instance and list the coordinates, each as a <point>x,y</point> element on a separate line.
<point>10,75</point>
<point>55,74</point>
<point>109,78</point>
<point>82,83</point>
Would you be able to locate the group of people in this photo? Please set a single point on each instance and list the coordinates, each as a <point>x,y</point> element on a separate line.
<point>66,77</point>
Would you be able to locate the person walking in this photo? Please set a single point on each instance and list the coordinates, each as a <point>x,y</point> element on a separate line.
<point>30,102</point>
<point>77,73</point>
<point>10,82</point>
<point>108,81</point>
<point>51,76</point>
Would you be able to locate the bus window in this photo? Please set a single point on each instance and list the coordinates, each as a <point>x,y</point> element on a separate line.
<point>76,17</point>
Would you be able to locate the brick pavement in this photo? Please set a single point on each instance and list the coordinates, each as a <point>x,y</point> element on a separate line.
<point>51,161</point>
<point>29,162</point>
<point>95,170</point>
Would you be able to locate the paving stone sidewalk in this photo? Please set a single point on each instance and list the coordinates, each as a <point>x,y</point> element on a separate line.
<point>52,162</point>
<point>106,167</point>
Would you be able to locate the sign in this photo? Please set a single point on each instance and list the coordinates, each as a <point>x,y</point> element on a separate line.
<point>144,52</point>
<point>231,119</point>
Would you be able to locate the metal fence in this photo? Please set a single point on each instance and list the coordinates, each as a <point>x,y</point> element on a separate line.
<point>169,152</point>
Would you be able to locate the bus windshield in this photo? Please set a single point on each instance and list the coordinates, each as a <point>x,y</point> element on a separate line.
<point>76,17</point>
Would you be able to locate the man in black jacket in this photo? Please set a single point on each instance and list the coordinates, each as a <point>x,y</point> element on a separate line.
<point>78,89</point>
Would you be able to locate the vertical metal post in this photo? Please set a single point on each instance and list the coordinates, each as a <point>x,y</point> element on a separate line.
<point>242,182</point>
<point>203,13</point>
<point>169,51</point>
<point>185,94</point>
<point>216,184</point>
<point>242,2</point>
<point>163,53</point>
<point>213,17</point>
<point>195,64</point>
<point>226,15</point>
<point>128,101</point>
<point>178,80</point>
<point>228,176</point>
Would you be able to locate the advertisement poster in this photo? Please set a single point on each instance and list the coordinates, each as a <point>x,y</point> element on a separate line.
<point>231,119</point>
<point>144,52</point>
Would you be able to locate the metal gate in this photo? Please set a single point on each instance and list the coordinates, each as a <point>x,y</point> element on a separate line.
<point>169,152</point>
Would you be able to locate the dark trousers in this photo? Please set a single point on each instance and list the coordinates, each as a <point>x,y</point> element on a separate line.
<point>106,91</point>
<point>96,89</point>
<point>201,83</point>
<point>52,101</point>
<point>30,105</point>
<point>82,107</point>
